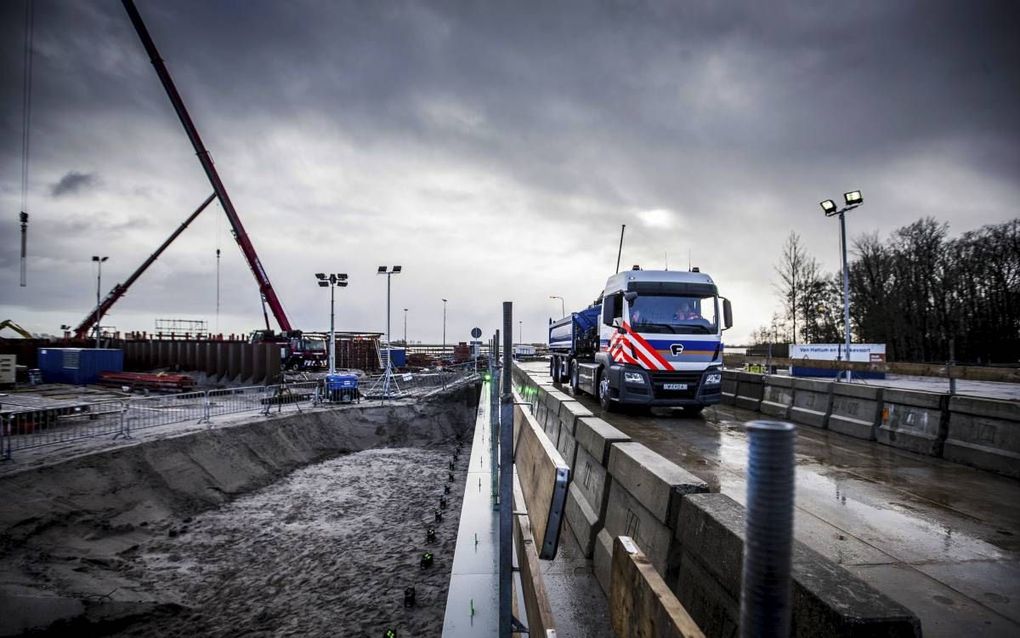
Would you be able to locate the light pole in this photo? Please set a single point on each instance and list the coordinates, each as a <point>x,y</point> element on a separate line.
<point>332,281</point>
<point>853,199</point>
<point>520,332</point>
<point>443,351</point>
<point>388,374</point>
<point>99,282</point>
<point>563,306</point>
<point>405,328</point>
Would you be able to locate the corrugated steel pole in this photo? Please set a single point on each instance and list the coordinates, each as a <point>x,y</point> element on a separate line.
<point>506,475</point>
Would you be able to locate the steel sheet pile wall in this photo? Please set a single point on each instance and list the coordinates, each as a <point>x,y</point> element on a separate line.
<point>221,361</point>
<point>983,433</point>
<point>694,539</point>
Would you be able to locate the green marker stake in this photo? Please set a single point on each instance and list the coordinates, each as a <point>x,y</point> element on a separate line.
<point>472,607</point>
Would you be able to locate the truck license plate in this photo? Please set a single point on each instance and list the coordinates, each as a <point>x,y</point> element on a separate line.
<point>674,386</point>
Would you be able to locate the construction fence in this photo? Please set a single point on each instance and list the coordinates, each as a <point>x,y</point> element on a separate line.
<point>32,427</point>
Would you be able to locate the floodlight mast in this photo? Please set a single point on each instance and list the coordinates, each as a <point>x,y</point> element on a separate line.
<point>853,199</point>
<point>240,235</point>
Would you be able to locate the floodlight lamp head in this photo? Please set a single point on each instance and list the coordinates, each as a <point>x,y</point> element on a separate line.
<point>853,198</point>
<point>323,284</point>
<point>396,269</point>
<point>342,284</point>
<point>381,271</point>
<point>342,276</point>
<point>829,207</point>
<point>320,276</point>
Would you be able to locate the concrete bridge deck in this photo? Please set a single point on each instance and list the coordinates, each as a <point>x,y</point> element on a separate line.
<point>940,538</point>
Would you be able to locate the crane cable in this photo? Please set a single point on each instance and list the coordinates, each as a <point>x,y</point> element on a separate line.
<point>26,122</point>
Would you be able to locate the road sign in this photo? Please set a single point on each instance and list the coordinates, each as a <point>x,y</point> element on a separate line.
<point>476,332</point>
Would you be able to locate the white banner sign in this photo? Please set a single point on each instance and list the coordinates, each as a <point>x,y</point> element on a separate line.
<point>862,352</point>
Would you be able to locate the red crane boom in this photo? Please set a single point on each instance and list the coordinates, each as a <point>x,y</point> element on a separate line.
<point>240,235</point>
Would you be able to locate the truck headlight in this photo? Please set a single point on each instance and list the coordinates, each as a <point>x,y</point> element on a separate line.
<point>634,377</point>
<point>713,378</point>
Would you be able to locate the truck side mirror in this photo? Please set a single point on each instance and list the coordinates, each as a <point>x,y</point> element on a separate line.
<point>630,296</point>
<point>727,314</point>
<point>609,309</point>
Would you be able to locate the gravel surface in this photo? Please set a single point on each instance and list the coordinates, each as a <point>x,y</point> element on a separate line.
<point>327,551</point>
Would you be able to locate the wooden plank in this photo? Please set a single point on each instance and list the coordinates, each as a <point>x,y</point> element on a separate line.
<point>536,601</point>
<point>640,602</point>
<point>543,475</point>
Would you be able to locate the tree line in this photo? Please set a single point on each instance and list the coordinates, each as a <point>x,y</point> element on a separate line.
<point>920,292</point>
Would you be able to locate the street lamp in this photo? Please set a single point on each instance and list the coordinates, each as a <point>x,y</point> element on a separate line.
<point>853,199</point>
<point>388,374</point>
<point>443,351</point>
<point>405,327</point>
<point>563,306</point>
<point>520,332</point>
<point>99,282</point>
<point>332,281</point>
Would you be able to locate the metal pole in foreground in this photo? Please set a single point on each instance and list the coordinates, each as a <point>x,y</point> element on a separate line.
<point>765,601</point>
<point>846,291</point>
<point>506,474</point>
<point>332,332</point>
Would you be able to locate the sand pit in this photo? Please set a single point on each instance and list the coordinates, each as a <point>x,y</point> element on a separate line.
<point>310,524</point>
<point>328,551</point>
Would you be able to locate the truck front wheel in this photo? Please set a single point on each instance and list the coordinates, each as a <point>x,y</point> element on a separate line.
<point>603,389</point>
<point>554,369</point>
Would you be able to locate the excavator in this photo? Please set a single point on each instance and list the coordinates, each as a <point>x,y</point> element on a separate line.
<point>300,350</point>
<point>7,323</point>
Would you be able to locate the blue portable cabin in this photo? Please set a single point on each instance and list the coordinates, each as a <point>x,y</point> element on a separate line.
<point>342,387</point>
<point>78,366</point>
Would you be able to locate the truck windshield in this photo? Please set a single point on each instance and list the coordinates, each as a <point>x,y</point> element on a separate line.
<point>673,314</point>
<point>315,344</point>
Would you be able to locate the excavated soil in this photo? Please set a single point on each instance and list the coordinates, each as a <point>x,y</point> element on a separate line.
<point>311,524</point>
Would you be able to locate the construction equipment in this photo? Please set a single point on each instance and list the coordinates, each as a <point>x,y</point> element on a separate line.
<point>299,350</point>
<point>7,323</point>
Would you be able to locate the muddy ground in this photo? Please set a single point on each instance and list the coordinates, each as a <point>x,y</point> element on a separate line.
<point>327,551</point>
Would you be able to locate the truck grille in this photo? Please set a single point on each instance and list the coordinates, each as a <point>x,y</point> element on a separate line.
<point>660,379</point>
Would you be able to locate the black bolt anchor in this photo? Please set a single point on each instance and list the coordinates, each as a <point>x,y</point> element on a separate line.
<point>439,516</point>
<point>426,560</point>
<point>450,477</point>
<point>452,466</point>
<point>446,489</point>
<point>390,633</point>
<point>430,535</point>
<point>442,502</point>
<point>409,597</point>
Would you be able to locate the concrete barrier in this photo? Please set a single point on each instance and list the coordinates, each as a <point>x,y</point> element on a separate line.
<point>827,600</point>
<point>914,421</point>
<point>640,602</point>
<point>570,413</point>
<point>645,490</point>
<point>984,433</point>
<point>544,476</point>
<point>588,495</point>
<point>536,601</point>
<point>777,396</point>
<point>812,402</point>
<point>750,390</point>
<point>730,381</point>
<point>856,410</point>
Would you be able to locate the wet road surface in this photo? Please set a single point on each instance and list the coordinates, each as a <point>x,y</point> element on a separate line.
<point>940,538</point>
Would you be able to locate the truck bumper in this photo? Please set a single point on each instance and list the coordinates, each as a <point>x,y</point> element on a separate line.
<point>664,389</point>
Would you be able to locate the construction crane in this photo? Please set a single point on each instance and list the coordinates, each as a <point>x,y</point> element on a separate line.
<point>269,297</point>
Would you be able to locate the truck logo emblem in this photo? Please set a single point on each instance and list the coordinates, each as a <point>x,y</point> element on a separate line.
<point>676,349</point>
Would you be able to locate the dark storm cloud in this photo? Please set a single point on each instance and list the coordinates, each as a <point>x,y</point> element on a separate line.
<point>733,119</point>
<point>73,182</point>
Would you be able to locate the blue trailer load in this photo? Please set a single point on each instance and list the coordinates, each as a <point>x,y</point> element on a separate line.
<point>576,333</point>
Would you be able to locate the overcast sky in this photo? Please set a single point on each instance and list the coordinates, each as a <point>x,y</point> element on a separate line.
<point>490,148</point>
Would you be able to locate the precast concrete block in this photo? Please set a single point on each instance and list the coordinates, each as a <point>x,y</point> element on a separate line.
<point>582,519</point>
<point>566,445</point>
<point>777,397</point>
<point>597,437</point>
<point>570,412</point>
<point>984,433</point>
<point>602,559</point>
<point>656,482</point>
<point>827,599</point>
<point>914,421</point>
<point>856,410</point>
<point>750,390</point>
<point>591,481</point>
<point>729,387</point>
<point>627,516</point>
<point>812,401</point>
